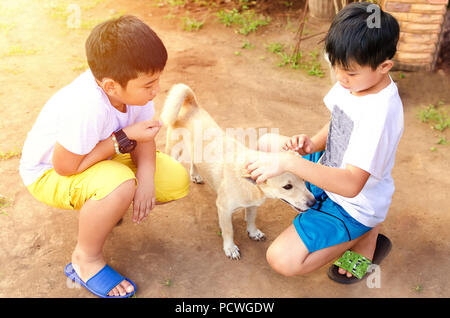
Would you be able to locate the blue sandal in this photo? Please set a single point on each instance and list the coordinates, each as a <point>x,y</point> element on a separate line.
<point>101,283</point>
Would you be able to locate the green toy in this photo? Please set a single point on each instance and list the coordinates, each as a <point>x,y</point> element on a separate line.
<point>354,263</point>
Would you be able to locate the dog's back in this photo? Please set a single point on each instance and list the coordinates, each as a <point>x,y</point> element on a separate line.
<point>203,138</point>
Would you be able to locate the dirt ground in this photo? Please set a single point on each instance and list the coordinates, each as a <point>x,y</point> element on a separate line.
<point>177,251</point>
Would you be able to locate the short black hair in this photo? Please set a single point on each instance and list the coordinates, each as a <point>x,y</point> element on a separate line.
<point>354,37</point>
<point>124,47</point>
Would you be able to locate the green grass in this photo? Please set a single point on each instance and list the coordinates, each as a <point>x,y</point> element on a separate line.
<point>244,21</point>
<point>11,70</point>
<point>4,203</point>
<point>80,67</point>
<point>288,4</point>
<point>61,10</point>
<point>442,141</point>
<point>18,50</point>
<point>247,45</point>
<point>309,63</point>
<point>275,47</point>
<point>418,288</point>
<point>436,115</point>
<point>191,24</point>
<point>10,154</point>
<point>170,3</point>
<point>5,28</point>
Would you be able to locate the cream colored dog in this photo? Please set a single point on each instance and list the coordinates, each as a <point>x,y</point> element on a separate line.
<point>222,166</point>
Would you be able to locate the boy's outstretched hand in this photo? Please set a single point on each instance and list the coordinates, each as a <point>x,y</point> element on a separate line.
<point>268,165</point>
<point>301,144</point>
<point>143,131</point>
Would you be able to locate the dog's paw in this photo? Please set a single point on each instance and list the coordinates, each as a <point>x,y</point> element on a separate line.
<point>257,235</point>
<point>232,252</point>
<point>197,179</point>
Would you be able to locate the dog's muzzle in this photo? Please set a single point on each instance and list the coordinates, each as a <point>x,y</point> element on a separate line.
<point>294,207</point>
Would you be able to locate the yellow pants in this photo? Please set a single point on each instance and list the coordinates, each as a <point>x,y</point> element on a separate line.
<point>96,182</point>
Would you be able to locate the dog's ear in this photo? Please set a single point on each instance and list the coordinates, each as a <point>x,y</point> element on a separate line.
<point>249,178</point>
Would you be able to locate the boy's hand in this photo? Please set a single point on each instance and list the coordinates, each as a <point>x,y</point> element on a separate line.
<point>267,166</point>
<point>301,144</point>
<point>144,200</point>
<point>143,131</point>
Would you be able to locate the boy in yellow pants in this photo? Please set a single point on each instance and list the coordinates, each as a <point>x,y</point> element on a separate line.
<point>92,147</point>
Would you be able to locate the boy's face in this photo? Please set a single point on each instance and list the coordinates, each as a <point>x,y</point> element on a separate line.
<point>362,80</point>
<point>139,91</point>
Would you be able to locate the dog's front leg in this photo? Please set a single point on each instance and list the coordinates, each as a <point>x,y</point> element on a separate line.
<point>226,226</point>
<point>253,232</point>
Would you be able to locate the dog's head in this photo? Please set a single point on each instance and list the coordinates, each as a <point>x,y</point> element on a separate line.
<point>288,188</point>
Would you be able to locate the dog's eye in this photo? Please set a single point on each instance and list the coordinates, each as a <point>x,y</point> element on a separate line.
<point>288,187</point>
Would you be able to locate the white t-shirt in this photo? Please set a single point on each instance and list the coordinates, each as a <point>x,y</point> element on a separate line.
<point>78,117</point>
<point>365,132</point>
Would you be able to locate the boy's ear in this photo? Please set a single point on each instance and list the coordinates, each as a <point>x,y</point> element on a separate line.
<point>108,85</point>
<point>386,66</point>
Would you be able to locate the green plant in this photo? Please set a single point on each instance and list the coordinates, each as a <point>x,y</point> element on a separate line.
<point>190,24</point>
<point>5,28</point>
<point>9,154</point>
<point>316,70</point>
<point>247,45</point>
<point>436,115</point>
<point>289,59</point>
<point>4,203</point>
<point>297,61</point>
<point>418,288</point>
<point>275,47</point>
<point>18,50</point>
<point>81,66</point>
<point>171,3</point>
<point>246,21</point>
<point>288,4</point>
<point>314,67</point>
<point>442,141</point>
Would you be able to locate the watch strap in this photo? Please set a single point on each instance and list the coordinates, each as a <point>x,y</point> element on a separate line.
<point>120,136</point>
<point>125,145</point>
<point>116,144</point>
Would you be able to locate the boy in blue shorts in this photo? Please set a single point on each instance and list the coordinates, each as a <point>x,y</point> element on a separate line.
<point>92,147</point>
<point>347,164</point>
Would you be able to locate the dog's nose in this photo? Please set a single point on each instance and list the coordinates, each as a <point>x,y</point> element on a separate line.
<point>310,203</point>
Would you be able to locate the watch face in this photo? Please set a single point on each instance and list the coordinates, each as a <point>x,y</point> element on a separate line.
<point>128,147</point>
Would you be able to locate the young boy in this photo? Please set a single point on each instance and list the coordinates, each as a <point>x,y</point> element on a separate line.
<point>348,163</point>
<point>92,147</point>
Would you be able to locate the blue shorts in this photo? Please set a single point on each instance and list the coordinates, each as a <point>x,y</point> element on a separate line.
<point>326,223</point>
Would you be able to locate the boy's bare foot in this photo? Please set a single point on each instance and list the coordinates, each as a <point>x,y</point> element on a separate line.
<point>365,247</point>
<point>87,266</point>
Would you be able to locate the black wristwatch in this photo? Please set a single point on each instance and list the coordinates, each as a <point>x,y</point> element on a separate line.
<point>125,145</point>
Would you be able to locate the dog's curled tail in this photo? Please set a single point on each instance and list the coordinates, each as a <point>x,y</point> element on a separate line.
<point>178,95</point>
